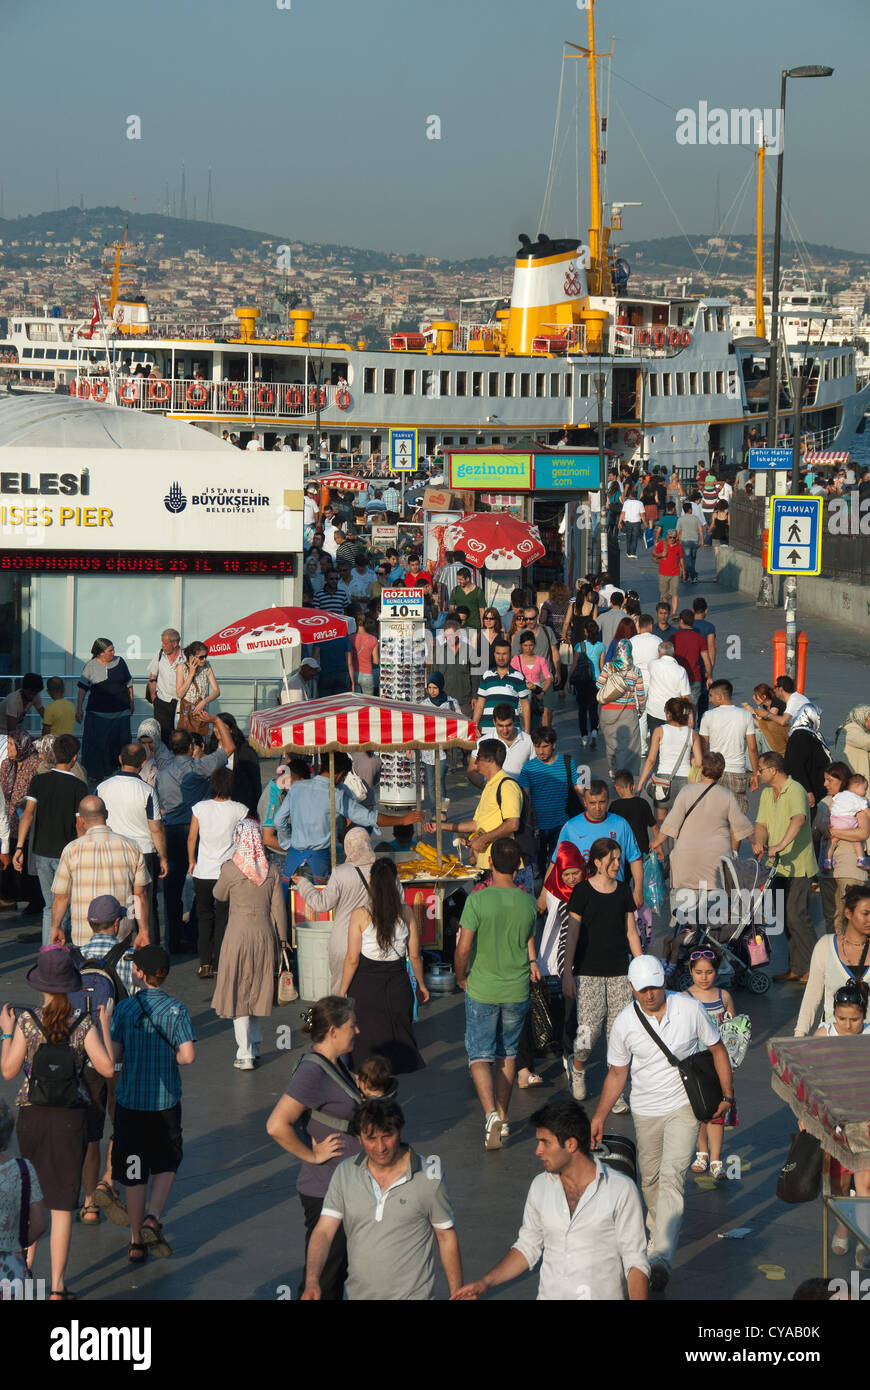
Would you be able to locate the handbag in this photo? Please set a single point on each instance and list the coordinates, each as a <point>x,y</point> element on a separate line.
<point>758,949</point>
<point>800,1177</point>
<point>191,723</point>
<point>615,687</point>
<point>285,989</point>
<point>697,1073</point>
<point>660,787</point>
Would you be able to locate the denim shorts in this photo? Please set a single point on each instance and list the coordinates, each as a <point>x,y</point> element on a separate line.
<point>493,1030</point>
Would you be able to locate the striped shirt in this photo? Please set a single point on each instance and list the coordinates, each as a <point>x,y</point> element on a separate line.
<point>100,862</point>
<point>150,1079</point>
<point>335,602</point>
<point>501,687</point>
<point>548,787</point>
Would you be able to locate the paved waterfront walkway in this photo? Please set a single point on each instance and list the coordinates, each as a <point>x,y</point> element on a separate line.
<point>234,1220</point>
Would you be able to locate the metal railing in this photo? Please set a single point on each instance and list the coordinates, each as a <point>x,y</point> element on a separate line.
<point>625,340</point>
<point>844,557</point>
<point>195,396</point>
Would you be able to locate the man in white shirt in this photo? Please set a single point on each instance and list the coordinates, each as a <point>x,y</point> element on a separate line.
<point>581,1218</point>
<point>665,1124</point>
<point>160,689</point>
<point>730,730</point>
<point>253,445</point>
<point>518,744</point>
<point>644,651</point>
<point>310,509</point>
<point>330,540</point>
<point>303,685</point>
<point>784,689</point>
<point>133,810</point>
<point>359,585</point>
<point>667,680</point>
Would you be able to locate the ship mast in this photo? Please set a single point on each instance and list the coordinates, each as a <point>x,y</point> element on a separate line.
<point>759,240</point>
<point>599,235</point>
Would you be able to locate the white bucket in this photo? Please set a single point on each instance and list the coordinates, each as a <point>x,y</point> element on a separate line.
<point>312,954</point>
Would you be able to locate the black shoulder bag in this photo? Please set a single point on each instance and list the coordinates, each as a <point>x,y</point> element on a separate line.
<point>697,1073</point>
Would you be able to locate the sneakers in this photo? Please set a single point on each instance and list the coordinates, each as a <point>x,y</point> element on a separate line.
<point>505,1130</point>
<point>620,1106</point>
<point>592,741</point>
<point>244,1064</point>
<point>492,1131</point>
<point>578,1083</point>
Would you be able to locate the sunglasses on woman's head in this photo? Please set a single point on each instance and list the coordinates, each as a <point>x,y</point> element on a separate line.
<point>702,955</point>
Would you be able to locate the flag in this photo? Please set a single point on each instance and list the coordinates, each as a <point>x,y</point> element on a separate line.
<point>94,321</point>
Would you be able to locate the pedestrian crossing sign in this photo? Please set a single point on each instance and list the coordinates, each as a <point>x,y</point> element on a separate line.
<point>403,451</point>
<point>795,536</point>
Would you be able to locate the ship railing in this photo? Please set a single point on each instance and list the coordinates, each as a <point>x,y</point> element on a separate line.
<point>641,341</point>
<point>232,399</point>
<point>482,332</point>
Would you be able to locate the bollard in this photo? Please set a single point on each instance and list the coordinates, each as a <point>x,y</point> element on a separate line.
<point>779,644</point>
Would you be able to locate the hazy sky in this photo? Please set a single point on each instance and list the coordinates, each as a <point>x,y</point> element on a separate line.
<point>314,118</point>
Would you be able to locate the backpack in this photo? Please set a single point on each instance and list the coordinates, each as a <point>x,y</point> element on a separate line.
<point>54,1071</point>
<point>105,983</point>
<point>526,835</point>
<point>335,1074</point>
<point>584,672</point>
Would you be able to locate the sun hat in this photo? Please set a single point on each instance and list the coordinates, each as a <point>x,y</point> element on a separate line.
<point>54,972</point>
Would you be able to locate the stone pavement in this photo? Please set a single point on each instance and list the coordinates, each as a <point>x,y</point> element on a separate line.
<point>234,1221</point>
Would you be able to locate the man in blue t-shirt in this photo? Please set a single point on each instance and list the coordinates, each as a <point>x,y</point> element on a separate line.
<point>597,824</point>
<point>548,782</point>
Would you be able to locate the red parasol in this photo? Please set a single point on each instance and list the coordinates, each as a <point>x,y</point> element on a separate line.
<point>342,482</point>
<point>496,539</point>
<point>275,629</point>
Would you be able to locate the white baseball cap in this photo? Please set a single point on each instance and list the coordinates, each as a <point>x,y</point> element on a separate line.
<point>645,972</point>
<point>310,661</point>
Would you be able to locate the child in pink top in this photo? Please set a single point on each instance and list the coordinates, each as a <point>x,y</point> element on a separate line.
<point>534,669</point>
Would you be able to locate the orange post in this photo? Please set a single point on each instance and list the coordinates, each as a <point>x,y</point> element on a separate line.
<point>765,539</point>
<point>779,658</point>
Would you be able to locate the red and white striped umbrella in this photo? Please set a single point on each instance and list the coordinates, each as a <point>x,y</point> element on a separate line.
<point>346,722</point>
<point>495,539</point>
<point>275,629</point>
<point>817,456</point>
<point>342,482</point>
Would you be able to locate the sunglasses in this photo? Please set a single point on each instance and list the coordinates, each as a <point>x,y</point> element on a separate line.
<point>702,955</point>
<point>849,994</point>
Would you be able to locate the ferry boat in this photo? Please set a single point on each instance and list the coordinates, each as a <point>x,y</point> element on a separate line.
<point>679,377</point>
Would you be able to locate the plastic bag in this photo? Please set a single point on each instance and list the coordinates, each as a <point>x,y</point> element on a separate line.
<point>736,1033</point>
<point>653,883</point>
<point>643,920</point>
<point>546,1034</point>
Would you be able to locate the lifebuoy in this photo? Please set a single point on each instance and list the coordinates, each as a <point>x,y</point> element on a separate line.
<point>265,396</point>
<point>235,396</point>
<point>293,397</point>
<point>99,390</point>
<point>658,337</point>
<point>84,390</point>
<point>342,398</point>
<point>632,438</point>
<point>197,394</point>
<point>674,337</point>
<point>685,337</point>
<point>159,391</point>
<point>129,392</point>
<point>312,397</point>
<point>643,337</point>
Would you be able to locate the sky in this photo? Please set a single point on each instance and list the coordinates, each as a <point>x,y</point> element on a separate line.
<point>314,118</point>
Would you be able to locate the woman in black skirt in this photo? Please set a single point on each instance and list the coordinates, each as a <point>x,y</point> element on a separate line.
<point>381,939</point>
<point>52,1119</point>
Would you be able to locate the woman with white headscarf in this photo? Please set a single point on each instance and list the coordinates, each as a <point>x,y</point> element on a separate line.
<point>346,889</point>
<point>806,753</point>
<point>149,735</point>
<point>246,969</point>
<point>852,742</point>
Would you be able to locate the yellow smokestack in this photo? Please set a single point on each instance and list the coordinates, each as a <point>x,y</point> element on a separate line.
<point>247,318</point>
<point>549,285</point>
<point>301,319</point>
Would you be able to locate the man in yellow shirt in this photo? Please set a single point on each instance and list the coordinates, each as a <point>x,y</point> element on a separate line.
<point>498,812</point>
<point>783,828</point>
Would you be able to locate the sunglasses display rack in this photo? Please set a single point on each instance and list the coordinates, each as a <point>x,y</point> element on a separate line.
<point>402,651</point>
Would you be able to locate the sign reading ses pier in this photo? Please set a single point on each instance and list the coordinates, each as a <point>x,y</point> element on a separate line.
<point>795,535</point>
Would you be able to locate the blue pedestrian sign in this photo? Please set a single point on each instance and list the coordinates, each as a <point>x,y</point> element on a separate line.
<point>769,458</point>
<point>795,535</point>
<point>403,451</point>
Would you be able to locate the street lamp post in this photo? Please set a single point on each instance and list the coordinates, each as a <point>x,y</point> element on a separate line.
<point>810,70</point>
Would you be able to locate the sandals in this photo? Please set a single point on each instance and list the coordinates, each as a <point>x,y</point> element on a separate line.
<point>205,972</point>
<point>840,1245</point>
<point>89,1214</point>
<point>534,1080</point>
<point>152,1236</point>
<point>700,1164</point>
<point>717,1168</point>
<point>137,1253</point>
<point>64,1294</point>
<point>106,1199</point>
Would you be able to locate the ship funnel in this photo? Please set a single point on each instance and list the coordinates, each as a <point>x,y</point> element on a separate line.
<point>301,319</point>
<point>247,323</point>
<point>549,286</point>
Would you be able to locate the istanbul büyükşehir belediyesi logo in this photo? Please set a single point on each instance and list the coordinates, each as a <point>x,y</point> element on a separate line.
<point>175,500</point>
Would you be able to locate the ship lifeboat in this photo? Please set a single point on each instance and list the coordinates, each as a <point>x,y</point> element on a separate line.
<point>408,342</point>
<point>545,344</point>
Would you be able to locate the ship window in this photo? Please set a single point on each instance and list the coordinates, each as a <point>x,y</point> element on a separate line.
<point>510,382</point>
<point>720,383</point>
<point>666,384</point>
<point>584,383</point>
<point>430,383</point>
<point>27,352</point>
<point>525,383</point>
<point>389,381</point>
<point>850,367</point>
<point>463,440</point>
<point>477,383</point>
<point>430,443</point>
<point>39,352</point>
<point>445,383</point>
<point>51,353</point>
<point>447,441</point>
<point>554,383</point>
<point>409,377</point>
<point>653,383</point>
<point>569,384</point>
<point>681,383</point>
<point>708,320</point>
<point>826,374</point>
<point>720,320</point>
<point>492,383</point>
<point>706,387</point>
<point>539,384</point>
<point>370,380</point>
<point>693,383</point>
<point>462,383</point>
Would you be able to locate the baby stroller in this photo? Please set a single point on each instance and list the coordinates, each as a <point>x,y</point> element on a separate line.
<point>745,881</point>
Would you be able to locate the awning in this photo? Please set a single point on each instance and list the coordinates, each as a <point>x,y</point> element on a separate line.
<point>817,456</point>
<point>349,722</point>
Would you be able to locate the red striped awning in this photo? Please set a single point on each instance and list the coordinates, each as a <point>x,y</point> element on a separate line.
<point>818,456</point>
<point>349,722</point>
<point>343,482</point>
